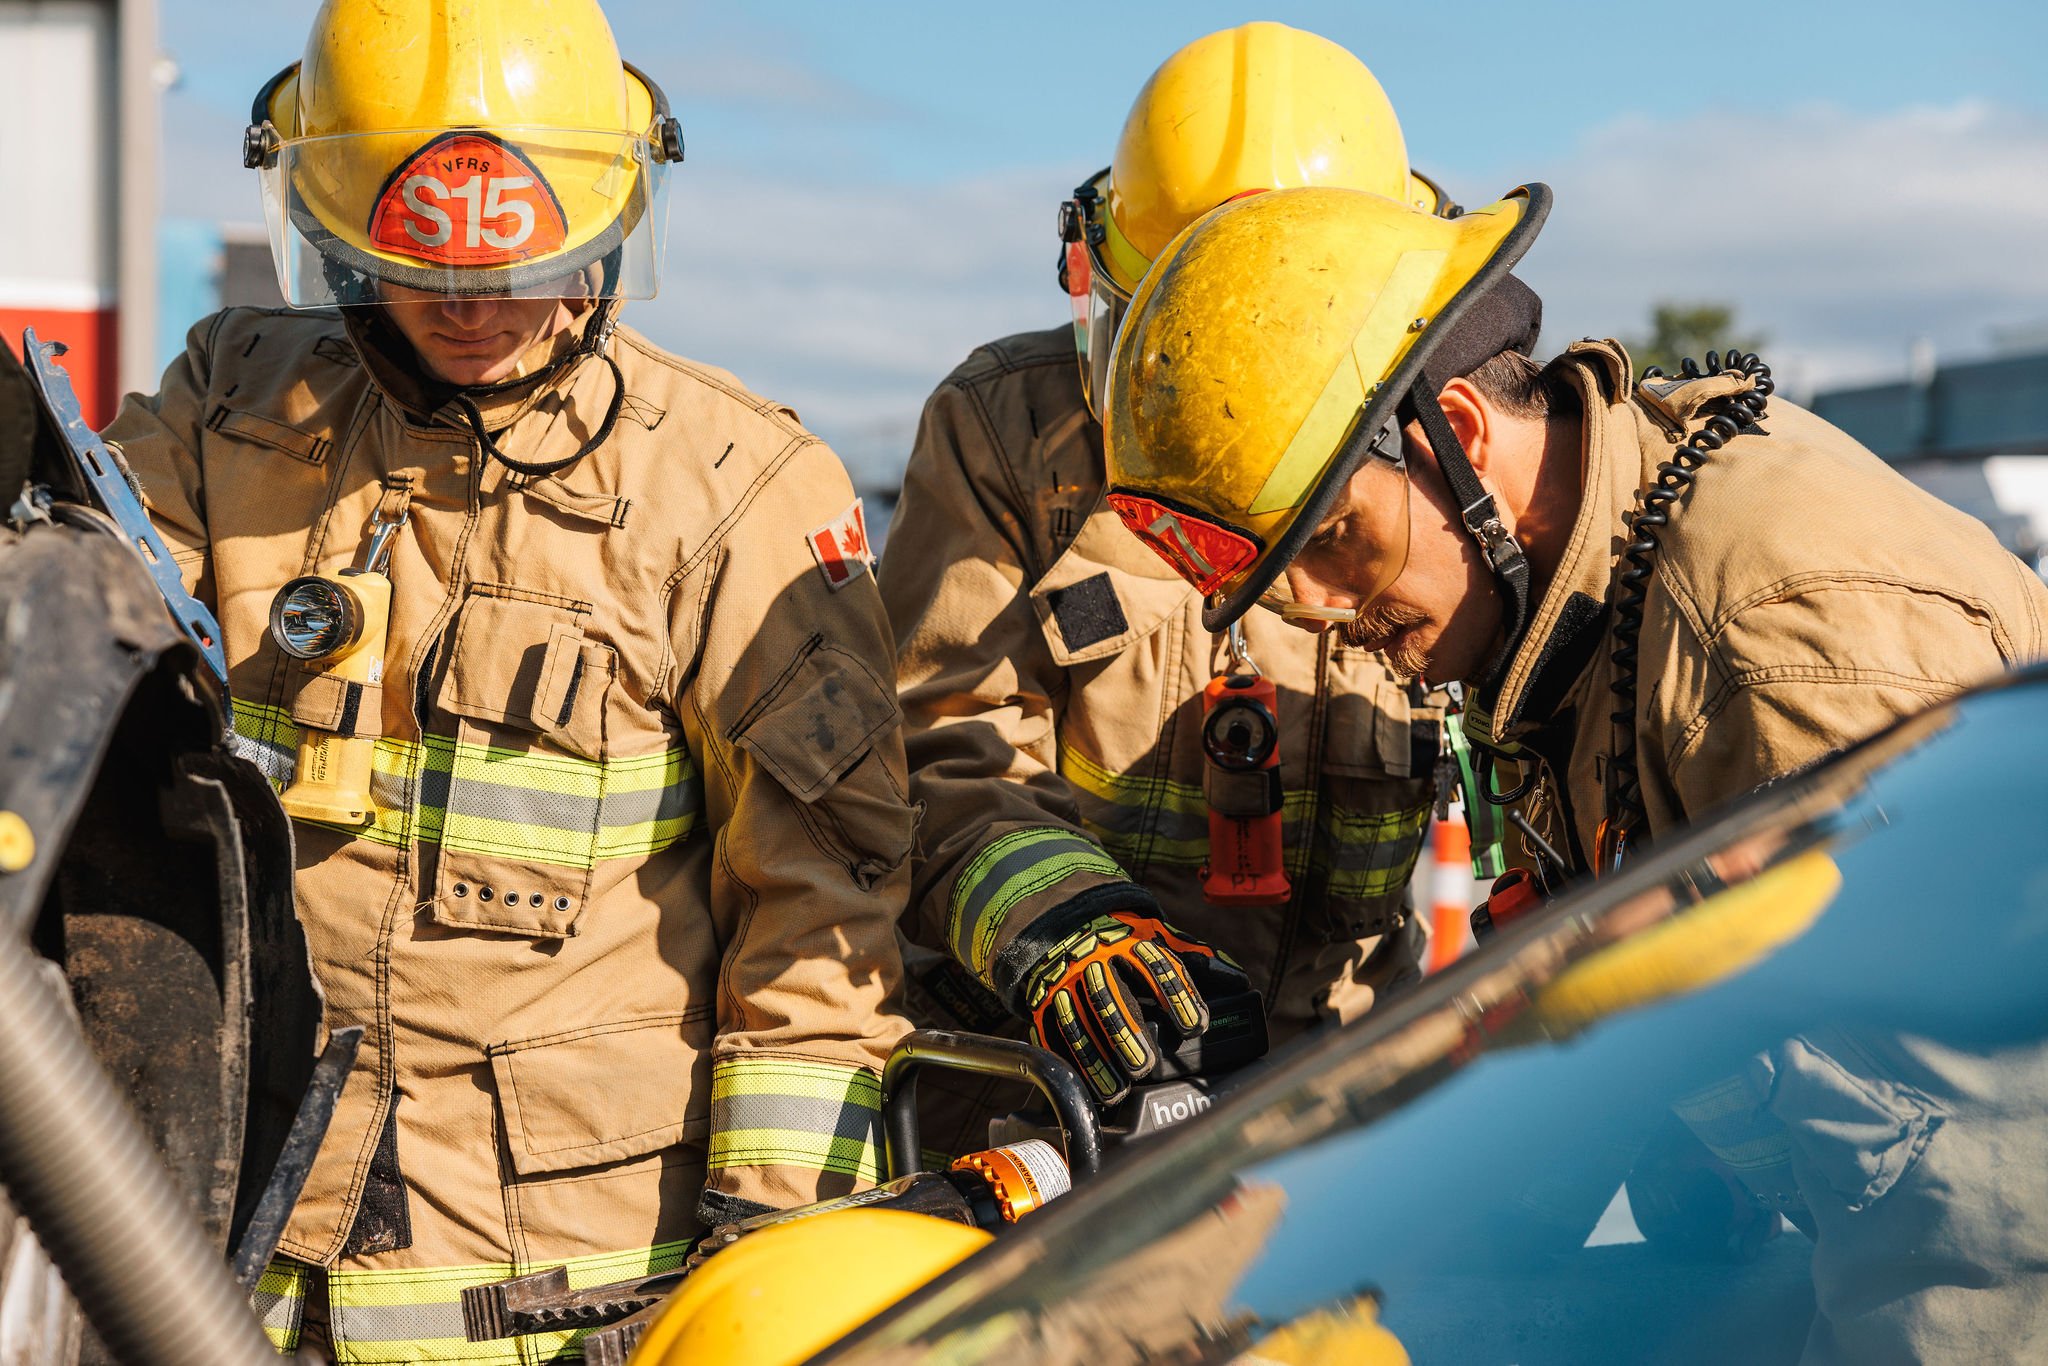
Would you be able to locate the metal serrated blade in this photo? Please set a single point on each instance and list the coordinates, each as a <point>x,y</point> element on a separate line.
<point>107,487</point>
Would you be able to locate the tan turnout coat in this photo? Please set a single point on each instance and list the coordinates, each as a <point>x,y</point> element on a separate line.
<point>623,929</point>
<point>1806,595</point>
<point>1051,670</point>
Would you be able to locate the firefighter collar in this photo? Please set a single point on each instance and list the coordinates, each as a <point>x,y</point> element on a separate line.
<point>1571,619</point>
<point>389,362</point>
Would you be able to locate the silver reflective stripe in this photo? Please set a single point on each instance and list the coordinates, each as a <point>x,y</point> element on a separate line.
<point>653,804</point>
<point>363,1324</point>
<point>838,1119</point>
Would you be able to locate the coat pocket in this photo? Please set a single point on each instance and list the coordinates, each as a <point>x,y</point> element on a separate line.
<point>604,1093</point>
<point>1377,731</point>
<point>1860,1134</point>
<point>519,790</point>
<point>816,733</point>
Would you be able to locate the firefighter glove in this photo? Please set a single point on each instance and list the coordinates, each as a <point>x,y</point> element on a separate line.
<point>1081,1003</point>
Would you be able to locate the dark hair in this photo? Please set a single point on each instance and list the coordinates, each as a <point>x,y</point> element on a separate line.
<point>1520,386</point>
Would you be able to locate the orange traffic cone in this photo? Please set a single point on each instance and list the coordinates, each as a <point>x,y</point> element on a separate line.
<point>1450,891</point>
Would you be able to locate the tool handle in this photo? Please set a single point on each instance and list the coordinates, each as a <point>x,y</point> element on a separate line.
<point>987,1056</point>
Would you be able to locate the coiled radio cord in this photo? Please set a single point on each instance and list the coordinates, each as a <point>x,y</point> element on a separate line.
<point>1725,418</point>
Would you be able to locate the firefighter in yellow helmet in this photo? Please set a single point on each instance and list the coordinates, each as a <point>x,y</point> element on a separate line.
<point>1658,593</point>
<point>618,913</point>
<point>1052,672</point>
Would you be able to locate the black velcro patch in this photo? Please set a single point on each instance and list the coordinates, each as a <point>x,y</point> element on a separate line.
<point>384,1219</point>
<point>1088,612</point>
<point>1580,626</point>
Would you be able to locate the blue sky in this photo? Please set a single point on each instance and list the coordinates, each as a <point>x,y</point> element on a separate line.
<point>871,186</point>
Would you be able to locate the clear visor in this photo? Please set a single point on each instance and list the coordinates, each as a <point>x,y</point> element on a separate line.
<point>1098,311</point>
<point>1356,555</point>
<point>508,213</point>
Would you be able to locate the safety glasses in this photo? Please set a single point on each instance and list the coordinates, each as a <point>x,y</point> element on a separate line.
<point>1361,549</point>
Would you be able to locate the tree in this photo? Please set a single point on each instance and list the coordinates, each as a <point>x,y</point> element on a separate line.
<point>1681,330</point>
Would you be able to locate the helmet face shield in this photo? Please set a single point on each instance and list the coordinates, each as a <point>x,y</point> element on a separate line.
<point>508,212</point>
<point>1097,300</point>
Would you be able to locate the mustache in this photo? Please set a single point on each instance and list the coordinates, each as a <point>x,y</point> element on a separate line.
<point>1378,621</point>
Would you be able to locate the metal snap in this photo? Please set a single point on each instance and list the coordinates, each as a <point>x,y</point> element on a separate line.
<point>561,903</point>
<point>461,889</point>
<point>484,894</point>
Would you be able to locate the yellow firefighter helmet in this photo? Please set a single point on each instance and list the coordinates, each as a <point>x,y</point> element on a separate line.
<point>775,1297</point>
<point>1265,362</point>
<point>462,148</point>
<point>1257,107</point>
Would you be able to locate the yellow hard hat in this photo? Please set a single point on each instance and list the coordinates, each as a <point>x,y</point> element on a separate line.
<point>1266,360</point>
<point>1257,107</point>
<point>462,148</point>
<point>775,1297</point>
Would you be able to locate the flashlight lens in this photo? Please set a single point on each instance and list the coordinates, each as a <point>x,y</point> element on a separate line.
<point>1240,735</point>
<point>313,618</point>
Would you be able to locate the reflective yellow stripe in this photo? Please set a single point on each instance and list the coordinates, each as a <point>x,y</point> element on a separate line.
<point>484,799</point>
<point>415,1314</point>
<point>1159,823</point>
<point>1372,854</point>
<point>1131,790</point>
<point>1006,871</point>
<point>279,1302</point>
<point>795,1112</point>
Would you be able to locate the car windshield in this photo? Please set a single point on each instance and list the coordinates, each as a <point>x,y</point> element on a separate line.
<point>1802,1119</point>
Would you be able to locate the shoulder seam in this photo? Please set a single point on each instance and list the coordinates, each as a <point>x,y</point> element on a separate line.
<point>767,408</point>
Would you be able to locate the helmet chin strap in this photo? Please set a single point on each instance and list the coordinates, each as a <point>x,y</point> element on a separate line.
<point>592,344</point>
<point>1482,523</point>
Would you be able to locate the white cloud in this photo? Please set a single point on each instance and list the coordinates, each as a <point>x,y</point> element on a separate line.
<point>1840,236</point>
<point>851,302</point>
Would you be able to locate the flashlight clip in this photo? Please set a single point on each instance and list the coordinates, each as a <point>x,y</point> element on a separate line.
<point>375,555</point>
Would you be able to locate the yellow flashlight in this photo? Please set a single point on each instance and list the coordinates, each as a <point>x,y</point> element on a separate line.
<point>336,623</point>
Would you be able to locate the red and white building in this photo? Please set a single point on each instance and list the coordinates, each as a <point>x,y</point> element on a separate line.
<point>78,171</point>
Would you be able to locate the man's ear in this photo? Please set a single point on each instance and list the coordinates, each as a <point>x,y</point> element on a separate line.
<point>1471,417</point>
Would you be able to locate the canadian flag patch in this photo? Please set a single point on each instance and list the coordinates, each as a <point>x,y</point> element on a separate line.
<point>841,547</point>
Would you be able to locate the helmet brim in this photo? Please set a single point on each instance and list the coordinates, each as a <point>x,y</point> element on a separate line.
<point>1227,607</point>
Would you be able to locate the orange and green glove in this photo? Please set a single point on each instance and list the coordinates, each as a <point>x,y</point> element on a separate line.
<point>1079,998</point>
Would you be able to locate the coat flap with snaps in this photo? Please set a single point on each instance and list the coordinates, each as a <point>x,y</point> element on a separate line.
<point>265,431</point>
<point>1105,592</point>
<point>591,509</point>
<point>1376,731</point>
<point>1676,400</point>
<point>501,652</point>
<point>569,704</point>
<point>818,720</point>
<point>655,1091</point>
<point>326,702</point>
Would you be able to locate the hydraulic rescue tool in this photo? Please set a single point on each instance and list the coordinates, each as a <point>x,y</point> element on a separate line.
<point>988,1190</point>
<point>336,623</point>
<point>1241,780</point>
<point>102,481</point>
<point>157,1009</point>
